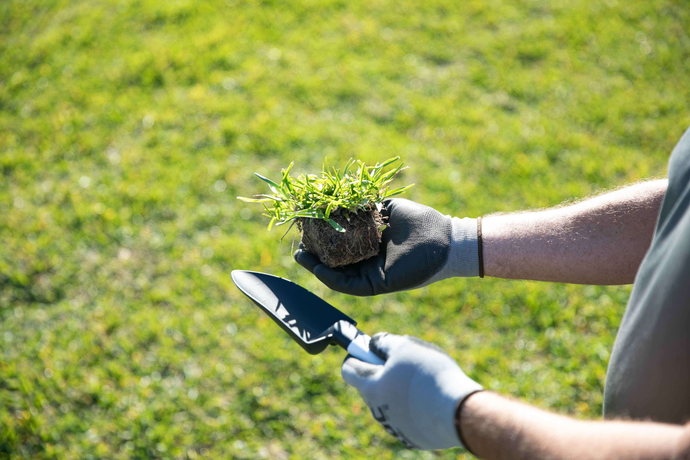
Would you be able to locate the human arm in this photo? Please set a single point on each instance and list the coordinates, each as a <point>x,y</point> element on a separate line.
<point>421,396</point>
<point>601,240</point>
<point>497,428</point>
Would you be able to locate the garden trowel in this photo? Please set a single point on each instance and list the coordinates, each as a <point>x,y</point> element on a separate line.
<point>309,320</point>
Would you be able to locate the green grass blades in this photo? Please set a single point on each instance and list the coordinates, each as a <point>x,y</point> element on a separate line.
<point>315,197</point>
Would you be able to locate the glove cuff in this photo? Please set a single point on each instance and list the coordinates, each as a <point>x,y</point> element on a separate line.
<point>457,390</point>
<point>458,431</point>
<point>436,413</point>
<point>463,255</point>
<point>463,259</point>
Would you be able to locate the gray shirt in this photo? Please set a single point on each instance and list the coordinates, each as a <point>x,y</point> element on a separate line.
<point>649,372</point>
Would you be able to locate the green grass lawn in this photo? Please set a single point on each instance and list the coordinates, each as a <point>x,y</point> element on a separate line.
<point>127,129</point>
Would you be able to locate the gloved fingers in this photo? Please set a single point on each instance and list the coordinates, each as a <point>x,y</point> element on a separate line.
<point>384,344</point>
<point>358,373</point>
<point>306,259</point>
<point>345,280</point>
<point>392,204</point>
<point>386,207</point>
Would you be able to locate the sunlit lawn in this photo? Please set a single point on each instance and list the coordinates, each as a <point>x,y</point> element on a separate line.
<point>127,129</point>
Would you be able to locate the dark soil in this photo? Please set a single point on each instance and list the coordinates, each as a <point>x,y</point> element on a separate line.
<point>360,240</point>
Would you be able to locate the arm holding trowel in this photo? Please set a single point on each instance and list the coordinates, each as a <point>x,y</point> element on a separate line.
<point>601,240</point>
<point>422,397</point>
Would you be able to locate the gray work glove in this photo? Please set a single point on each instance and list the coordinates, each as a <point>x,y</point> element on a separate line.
<point>415,394</point>
<point>420,246</point>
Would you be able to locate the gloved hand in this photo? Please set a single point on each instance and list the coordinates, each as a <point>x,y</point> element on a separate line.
<point>420,246</point>
<point>415,394</point>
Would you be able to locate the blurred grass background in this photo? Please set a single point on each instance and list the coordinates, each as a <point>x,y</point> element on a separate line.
<point>128,127</point>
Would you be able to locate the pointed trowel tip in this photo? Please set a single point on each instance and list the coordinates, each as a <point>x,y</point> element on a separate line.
<point>243,279</point>
<point>237,275</point>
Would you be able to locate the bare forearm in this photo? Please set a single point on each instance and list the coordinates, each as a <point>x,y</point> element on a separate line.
<point>598,241</point>
<point>498,428</point>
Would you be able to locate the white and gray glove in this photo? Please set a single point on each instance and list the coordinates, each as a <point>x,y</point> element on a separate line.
<point>415,394</point>
<point>420,246</point>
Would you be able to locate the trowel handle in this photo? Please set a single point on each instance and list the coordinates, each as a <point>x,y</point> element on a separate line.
<point>359,348</point>
<point>354,341</point>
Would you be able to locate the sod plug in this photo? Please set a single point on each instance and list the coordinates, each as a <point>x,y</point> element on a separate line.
<point>337,212</point>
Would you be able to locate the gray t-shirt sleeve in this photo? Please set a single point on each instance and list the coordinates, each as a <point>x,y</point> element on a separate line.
<point>649,371</point>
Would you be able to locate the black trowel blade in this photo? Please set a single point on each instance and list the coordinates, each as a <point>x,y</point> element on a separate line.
<point>303,315</point>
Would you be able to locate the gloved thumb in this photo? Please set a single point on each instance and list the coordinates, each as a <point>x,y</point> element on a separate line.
<point>358,373</point>
<point>306,259</point>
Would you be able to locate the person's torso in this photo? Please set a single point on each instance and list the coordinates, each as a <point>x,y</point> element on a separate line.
<point>649,371</point>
